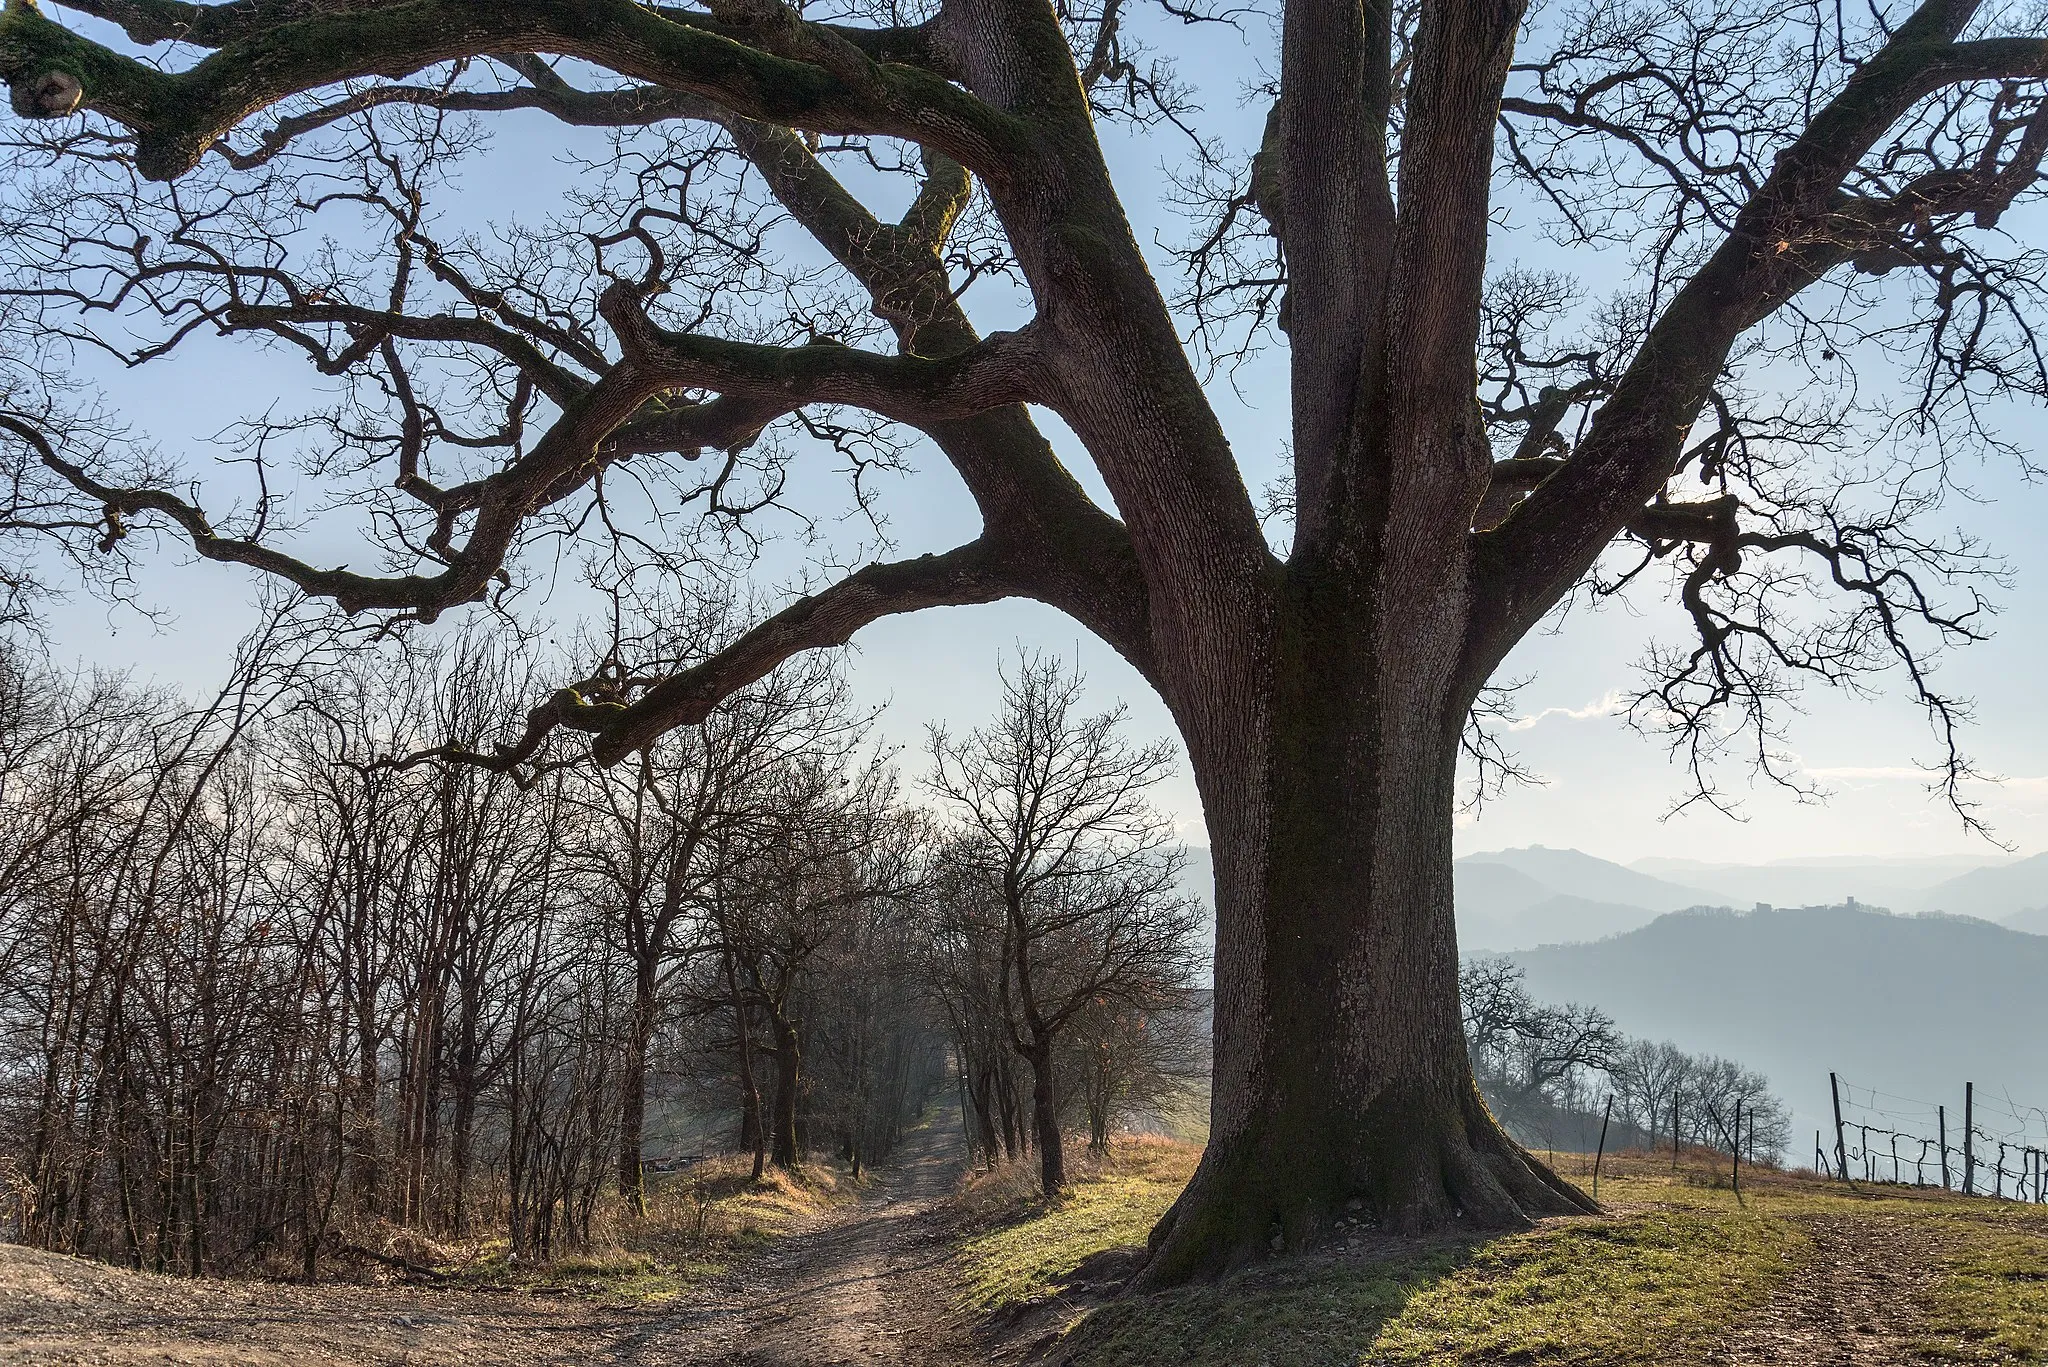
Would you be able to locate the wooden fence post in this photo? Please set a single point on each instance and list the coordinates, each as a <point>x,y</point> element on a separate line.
<point>1969,1129</point>
<point>1601,1152</point>
<point>1841,1147</point>
<point>1735,1143</point>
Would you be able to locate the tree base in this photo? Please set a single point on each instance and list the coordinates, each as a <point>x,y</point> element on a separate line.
<point>1253,1197</point>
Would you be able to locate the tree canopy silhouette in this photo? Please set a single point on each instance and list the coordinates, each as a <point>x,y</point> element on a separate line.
<point>1798,193</point>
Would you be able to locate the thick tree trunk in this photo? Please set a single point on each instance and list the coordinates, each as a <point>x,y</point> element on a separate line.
<point>1342,1082</point>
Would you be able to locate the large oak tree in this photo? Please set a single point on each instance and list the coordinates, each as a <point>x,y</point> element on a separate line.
<point>1796,188</point>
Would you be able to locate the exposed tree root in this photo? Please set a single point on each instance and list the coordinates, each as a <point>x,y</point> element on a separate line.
<point>1248,1201</point>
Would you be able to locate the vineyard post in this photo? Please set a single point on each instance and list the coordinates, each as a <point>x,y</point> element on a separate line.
<point>1674,1129</point>
<point>1841,1147</point>
<point>1941,1119</point>
<point>1969,1133</point>
<point>1735,1143</point>
<point>1601,1151</point>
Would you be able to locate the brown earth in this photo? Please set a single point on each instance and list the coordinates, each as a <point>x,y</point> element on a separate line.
<point>869,1284</point>
<point>1854,1302</point>
<point>865,1285</point>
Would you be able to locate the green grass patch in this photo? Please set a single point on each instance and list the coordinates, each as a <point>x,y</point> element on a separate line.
<point>1676,1267</point>
<point>1639,1289</point>
<point>1110,1203</point>
<point>1990,1303</point>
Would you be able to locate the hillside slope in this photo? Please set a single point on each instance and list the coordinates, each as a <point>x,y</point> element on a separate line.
<point>1573,873</point>
<point>1996,894</point>
<point>1910,1005</point>
<point>1681,1272</point>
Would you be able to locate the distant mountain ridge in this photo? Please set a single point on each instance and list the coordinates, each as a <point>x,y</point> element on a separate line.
<point>1999,893</point>
<point>1517,899</point>
<point>1521,898</point>
<point>1575,874</point>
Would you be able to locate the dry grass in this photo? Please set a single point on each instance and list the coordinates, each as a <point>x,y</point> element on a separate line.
<point>696,1224</point>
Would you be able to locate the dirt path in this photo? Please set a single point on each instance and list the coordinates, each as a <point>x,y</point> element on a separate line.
<point>867,1286</point>
<point>870,1289</point>
<point>1852,1303</point>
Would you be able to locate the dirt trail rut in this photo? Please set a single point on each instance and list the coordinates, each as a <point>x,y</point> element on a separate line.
<point>1852,1303</point>
<point>869,1289</point>
<point>867,1285</point>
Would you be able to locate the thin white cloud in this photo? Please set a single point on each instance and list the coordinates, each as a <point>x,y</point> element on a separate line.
<point>2024,783</point>
<point>1606,705</point>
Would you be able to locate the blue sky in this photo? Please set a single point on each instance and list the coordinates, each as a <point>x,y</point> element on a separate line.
<point>1607,788</point>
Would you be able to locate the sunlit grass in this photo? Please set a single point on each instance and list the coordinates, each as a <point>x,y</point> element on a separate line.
<point>1640,1289</point>
<point>1681,1260</point>
<point>1110,1203</point>
<point>697,1222</point>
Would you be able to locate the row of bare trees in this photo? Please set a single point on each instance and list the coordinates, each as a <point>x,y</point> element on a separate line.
<point>1547,1072</point>
<point>277,976</point>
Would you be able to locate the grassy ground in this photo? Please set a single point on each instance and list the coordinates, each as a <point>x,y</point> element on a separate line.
<point>1678,1264</point>
<point>697,1223</point>
<point>1991,1304</point>
<point>1985,1298</point>
<point>1030,1248</point>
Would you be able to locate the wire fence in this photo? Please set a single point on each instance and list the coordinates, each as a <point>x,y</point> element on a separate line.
<point>1991,1146</point>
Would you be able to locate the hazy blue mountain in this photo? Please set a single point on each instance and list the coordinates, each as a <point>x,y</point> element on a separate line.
<point>1910,1005</point>
<point>2034,921</point>
<point>1491,900</point>
<point>1573,874</point>
<point>1567,920</point>
<point>1992,893</point>
<point>1825,880</point>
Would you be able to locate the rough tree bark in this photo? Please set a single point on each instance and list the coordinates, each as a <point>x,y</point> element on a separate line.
<point>1321,695</point>
<point>786,1151</point>
<point>633,1087</point>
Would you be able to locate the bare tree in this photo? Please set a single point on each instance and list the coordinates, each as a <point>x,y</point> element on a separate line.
<point>1136,1057</point>
<point>1071,871</point>
<point>668,836</point>
<point>1820,192</point>
<point>1530,1057</point>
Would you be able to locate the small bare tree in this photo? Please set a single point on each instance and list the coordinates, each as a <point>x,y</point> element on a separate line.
<point>1059,859</point>
<point>1137,1056</point>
